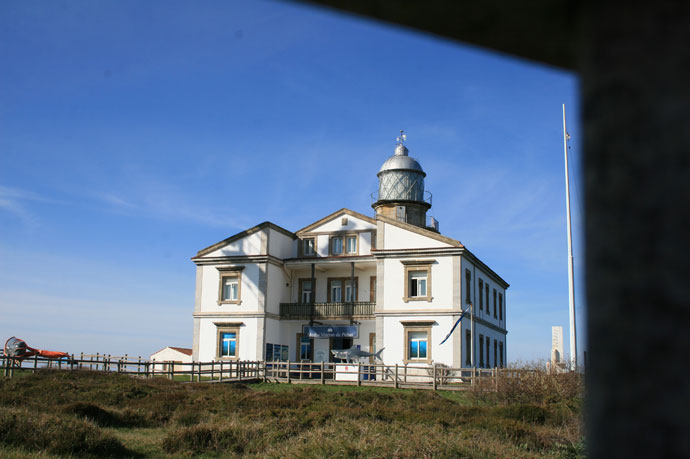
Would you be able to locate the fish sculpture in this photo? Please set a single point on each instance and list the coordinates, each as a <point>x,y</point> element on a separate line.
<point>354,354</point>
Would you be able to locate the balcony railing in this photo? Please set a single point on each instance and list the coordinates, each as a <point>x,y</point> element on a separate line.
<point>326,310</point>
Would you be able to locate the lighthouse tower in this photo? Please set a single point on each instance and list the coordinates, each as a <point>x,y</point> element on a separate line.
<point>401,194</point>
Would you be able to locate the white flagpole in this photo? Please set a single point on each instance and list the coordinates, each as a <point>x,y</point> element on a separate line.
<point>571,279</point>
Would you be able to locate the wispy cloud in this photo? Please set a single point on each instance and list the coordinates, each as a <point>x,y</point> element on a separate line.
<point>148,196</point>
<point>14,201</point>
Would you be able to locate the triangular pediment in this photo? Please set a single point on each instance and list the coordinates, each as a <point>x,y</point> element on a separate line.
<point>341,220</point>
<point>400,235</point>
<point>248,242</point>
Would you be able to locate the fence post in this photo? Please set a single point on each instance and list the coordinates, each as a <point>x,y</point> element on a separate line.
<point>239,370</point>
<point>323,376</point>
<point>171,369</point>
<point>288,371</point>
<point>80,359</point>
<point>396,376</point>
<point>359,373</point>
<point>434,376</point>
<point>35,363</point>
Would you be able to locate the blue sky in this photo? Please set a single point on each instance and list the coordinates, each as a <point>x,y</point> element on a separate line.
<point>133,134</point>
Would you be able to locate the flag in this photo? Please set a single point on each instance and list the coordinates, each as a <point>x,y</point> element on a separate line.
<point>456,324</point>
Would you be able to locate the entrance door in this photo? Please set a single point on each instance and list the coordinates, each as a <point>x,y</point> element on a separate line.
<point>339,344</point>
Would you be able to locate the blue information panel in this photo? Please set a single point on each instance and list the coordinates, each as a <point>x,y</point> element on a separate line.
<point>331,331</point>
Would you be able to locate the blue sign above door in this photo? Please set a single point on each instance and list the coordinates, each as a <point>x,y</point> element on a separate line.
<point>331,331</point>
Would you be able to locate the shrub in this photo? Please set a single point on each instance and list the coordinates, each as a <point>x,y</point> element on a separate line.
<point>532,384</point>
<point>55,435</point>
<point>533,414</point>
<point>93,413</point>
<point>203,438</point>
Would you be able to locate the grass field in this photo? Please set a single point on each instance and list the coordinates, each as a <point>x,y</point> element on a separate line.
<point>80,413</point>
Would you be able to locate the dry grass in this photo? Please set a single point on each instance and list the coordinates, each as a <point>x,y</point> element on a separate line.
<point>83,413</point>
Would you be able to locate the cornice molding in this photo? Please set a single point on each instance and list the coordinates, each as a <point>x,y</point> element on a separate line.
<point>245,259</point>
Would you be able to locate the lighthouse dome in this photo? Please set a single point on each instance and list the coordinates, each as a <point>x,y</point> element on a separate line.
<point>401,177</point>
<point>401,161</point>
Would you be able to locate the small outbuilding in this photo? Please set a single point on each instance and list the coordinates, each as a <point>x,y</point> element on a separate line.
<point>170,354</point>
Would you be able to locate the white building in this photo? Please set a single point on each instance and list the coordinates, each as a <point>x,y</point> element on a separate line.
<point>170,354</point>
<point>351,280</point>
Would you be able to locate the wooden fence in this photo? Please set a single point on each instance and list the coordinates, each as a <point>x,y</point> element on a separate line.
<point>436,377</point>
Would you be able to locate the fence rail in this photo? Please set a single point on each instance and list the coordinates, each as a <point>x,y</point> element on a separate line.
<point>436,377</point>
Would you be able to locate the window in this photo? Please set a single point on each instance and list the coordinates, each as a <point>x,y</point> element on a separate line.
<point>500,306</point>
<point>401,214</point>
<point>372,346</point>
<point>417,280</point>
<point>488,311</point>
<point>417,284</point>
<point>348,292</point>
<point>468,348</point>
<point>228,343</point>
<point>495,353</point>
<point>468,286</point>
<point>417,345</point>
<point>495,316</point>
<point>351,244</point>
<point>305,347</point>
<point>500,353</point>
<point>481,351</point>
<point>417,340</point>
<point>339,290</point>
<point>305,291</point>
<point>309,246</point>
<point>481,297</point>
<point>336,291</point>
<point>372,289</point>
<point>488,346</point>
<point>336,245</point>
<point>230,286</point>
<point>347,244</point>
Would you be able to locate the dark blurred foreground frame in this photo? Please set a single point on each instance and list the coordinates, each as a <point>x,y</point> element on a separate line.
<point>633,63</point>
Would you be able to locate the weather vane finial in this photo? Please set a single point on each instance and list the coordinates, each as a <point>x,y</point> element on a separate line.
<point>401,138</point>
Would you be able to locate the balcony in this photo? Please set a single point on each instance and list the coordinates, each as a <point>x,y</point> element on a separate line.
<point>327,310</point>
